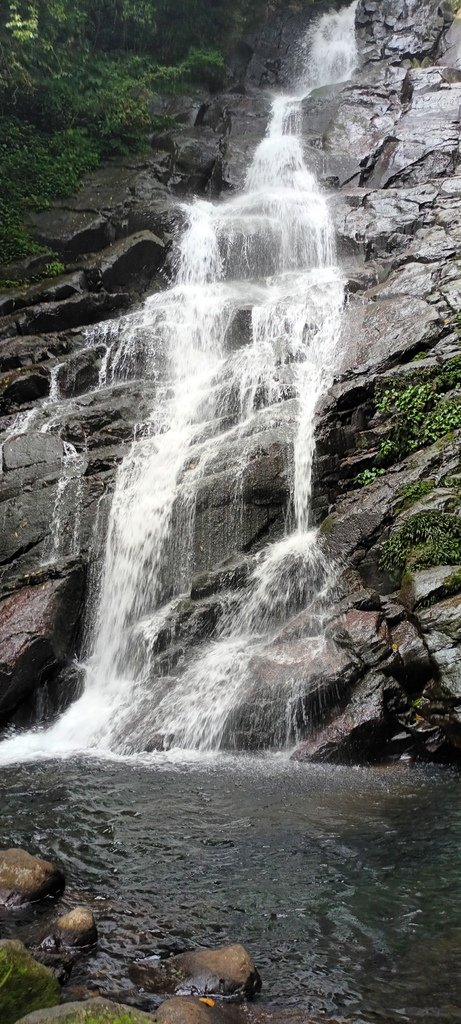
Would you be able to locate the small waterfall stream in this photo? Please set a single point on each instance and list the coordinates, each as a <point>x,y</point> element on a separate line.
<point>270,249</point>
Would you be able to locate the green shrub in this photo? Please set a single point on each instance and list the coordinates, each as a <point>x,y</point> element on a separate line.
<point>425,540</point>
<point>367,476</point>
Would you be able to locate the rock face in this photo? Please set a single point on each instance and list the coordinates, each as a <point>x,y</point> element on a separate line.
<point>27,879</point>
<point>382,677</point>
<point>37,632</point>
<point>25,984</point>
<point>228,972</point>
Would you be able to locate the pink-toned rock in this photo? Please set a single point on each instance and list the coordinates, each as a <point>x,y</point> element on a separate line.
<point>37,626</point>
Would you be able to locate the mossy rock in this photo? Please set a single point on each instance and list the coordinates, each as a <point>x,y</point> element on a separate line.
<point>93,1011</point>
<point>25,984</point>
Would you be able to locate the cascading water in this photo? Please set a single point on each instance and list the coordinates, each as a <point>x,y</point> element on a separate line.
<point>270,249</point>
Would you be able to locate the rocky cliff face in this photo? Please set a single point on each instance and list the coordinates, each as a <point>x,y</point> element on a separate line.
<point>388,468</point>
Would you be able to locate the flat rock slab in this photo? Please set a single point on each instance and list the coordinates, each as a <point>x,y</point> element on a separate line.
<point>24,983</point>
<point>228,971</point>
<point>27,879</point>
<point>93,1011</point>
<point>190,1010</point>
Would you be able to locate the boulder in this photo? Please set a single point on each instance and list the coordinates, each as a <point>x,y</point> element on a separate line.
<point>190,1010</point>
<point>25,985</point>
<point>411,30</point>
<point>32,450</point>
<point>79,374</point>
<point>225,972</point>
<point>37,633</point>
<point>357,734</point>
<point>20,387</point>
<point>92,1011</point>
<point>77,928</point>
<point>27,879</point>
<point>129,263</point>
<point>77,311</point>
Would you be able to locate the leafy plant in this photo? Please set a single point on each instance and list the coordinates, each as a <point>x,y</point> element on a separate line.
<point>424,540</point>
<point>367,476</point>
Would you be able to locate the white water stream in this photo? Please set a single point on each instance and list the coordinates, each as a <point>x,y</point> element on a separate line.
<point>269,249</point>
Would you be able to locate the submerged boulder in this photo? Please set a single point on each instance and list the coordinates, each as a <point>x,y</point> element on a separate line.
<point>27,879</point>
<point>25,984</point>
<point>225,972</point>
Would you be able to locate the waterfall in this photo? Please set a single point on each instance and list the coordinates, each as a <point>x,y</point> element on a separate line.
<point>270,248</point>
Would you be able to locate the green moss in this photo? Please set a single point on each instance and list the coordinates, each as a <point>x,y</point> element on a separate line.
<point>327,525</point>
<point>425,540</point>
<point>25,985</point>
<point>412,493</point>
<point>95,1011</point>
<point>452,585</point>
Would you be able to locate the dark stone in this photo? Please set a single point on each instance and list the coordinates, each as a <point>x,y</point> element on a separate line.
<point>357,734</point>
<point>20,387</point>
<point>129,263</point>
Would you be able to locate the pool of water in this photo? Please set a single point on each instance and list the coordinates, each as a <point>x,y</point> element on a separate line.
<point>345,884</point>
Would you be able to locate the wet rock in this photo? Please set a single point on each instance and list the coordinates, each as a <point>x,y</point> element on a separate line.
<point>25,984</point>
<point>37,634</point>
<point>21,387</point>
<point>357,734</point>
<point>187,1010</point>
<point>80,373</point>
<point>31,449</point>
<point>79,310</point>
<point>128,196</point>
<point>399,32</point>
<point>129,263</point>
<point>33,349</point>
<point>62,287</point>
<point>225,972</point>
<point>77,928</point>
<point>92,1011</point>
<point>428,585</point>
<point>27,879</point>
<point>71,233</point>
<point>190,1010</point>
<point>196,160</point>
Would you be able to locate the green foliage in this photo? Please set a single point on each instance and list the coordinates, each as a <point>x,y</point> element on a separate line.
<point>54,269</point>
<point>426,539</point>
<point>420,412</point>
<point>367,476</point>
<point>34,169</point>
<point>76,83</point>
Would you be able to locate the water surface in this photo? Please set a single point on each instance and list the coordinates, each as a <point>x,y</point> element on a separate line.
<point>345,884</point>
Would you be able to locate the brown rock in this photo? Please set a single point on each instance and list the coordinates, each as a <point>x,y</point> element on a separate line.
<point>77,928</point>
<point>227,971</point>
<point>190,1010</point>
<point>27,879</point>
